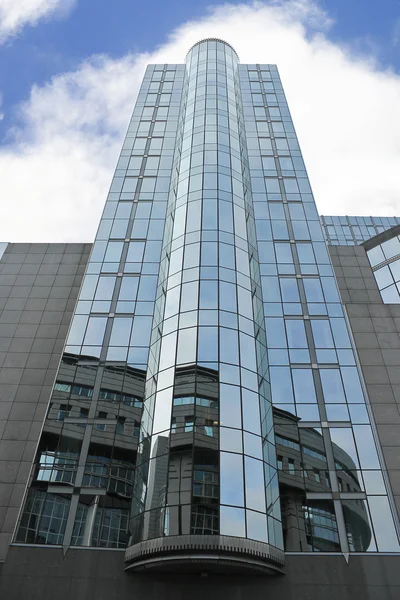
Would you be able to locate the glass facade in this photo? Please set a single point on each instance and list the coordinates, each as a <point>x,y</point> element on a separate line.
<point>325,450</point>
<point>209,385</point>
<point>351,231</point>
<point>384,257</point>
<point>209,338</point>
<point>87,452</point>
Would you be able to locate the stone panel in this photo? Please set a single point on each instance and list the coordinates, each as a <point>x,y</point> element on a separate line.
<point>36,573</point>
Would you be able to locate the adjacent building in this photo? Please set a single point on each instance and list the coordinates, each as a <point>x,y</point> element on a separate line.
<point>208,402</point>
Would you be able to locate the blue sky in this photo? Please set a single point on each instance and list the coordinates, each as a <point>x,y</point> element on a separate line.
<point>123,26</point>
<point>65,112</point>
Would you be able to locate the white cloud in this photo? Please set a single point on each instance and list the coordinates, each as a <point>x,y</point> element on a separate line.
<point>56,170</point>
<point>57,166</point>
<point>16,14</point>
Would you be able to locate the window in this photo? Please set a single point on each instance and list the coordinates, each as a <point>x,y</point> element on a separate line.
<point>287,442</point>
<point>57,466</point>
<point>314,453</point>
<point>185,400</point>
<point>204,520</point>
<point>64,411</point>
<point>205,484</point>
<point>206,402</point>
<point>83,414</point>
<point>62,387</point>
<point>101,426</point>
<point>120,425</point>
<point>82,390</point>
<point>111,528</point>
<point>44,519</point>
<point>321,527</point>
<point>209,427</point>
<point>126,399</point>
<point>189,423</point>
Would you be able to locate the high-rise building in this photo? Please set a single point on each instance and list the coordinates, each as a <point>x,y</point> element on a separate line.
<point>223,413</point>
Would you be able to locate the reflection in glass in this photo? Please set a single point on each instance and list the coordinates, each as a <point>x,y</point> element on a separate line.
<point>352,385</point>
<point>343,444</point>
<point>256,526</point>
<point>251,411</point>
<point>303,383</point>
<point>321,531</point>
<point>44,518</point>
<point>108,462</point>
<point>101,521</point>
<point>254,483</point>
<point>385,532</point>
<point>310,525</point>
<point>95,331</point>
<point>231,440</point>
<point>374,483</point>
<point>182,475</point>
<point>232,521</point>
<point>332,385</point>
<point>358,527</point>
<point>252,445</point>
<point>230,410</point>
<point>337,412</point>
<point>232,490</point>
<point>307,412</point>
<point>366,447</point>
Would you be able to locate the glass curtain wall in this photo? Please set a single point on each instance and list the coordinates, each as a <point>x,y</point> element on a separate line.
<point>81,484</point>
<point>351,231</point>
<point>384,256</point>
<point>206,462</point>
<point>333,494</point>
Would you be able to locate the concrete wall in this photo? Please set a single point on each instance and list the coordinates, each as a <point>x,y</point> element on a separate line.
<point>376,330</point>
<point>44,574</point>
<point>39,284</point>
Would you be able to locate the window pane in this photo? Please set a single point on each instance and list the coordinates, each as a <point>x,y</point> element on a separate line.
<point>232,489</point>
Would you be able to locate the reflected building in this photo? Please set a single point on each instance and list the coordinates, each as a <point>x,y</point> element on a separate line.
<point>225,400</point>
<point>92,471</point>
<point>183,466</point>
<point>309,524</point>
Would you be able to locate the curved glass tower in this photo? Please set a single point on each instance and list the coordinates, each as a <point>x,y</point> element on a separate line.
<point>206,472</point>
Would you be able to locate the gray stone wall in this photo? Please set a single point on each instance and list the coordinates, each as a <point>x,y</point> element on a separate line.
<point>39,284</point>
<point>43,573</point>
<point>376,330</point>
